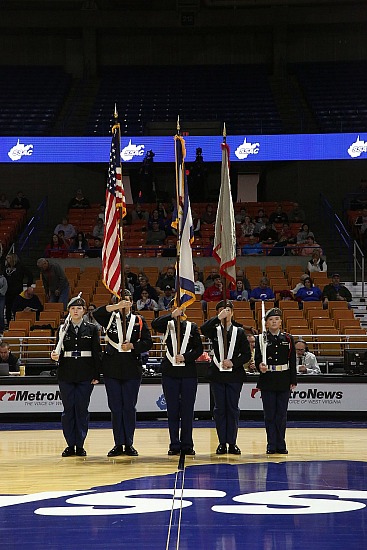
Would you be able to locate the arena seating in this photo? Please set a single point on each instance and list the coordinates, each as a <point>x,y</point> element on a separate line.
<point>336,93</point>
<point>158,94</point>
<point>31,99</point>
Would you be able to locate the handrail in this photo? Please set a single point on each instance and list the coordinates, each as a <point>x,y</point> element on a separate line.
<point>24,344</point>
<point>31,230</point>
<point>355,252</point>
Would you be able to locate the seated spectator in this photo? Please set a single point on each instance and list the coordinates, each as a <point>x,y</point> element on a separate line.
<point>252,248</point>
<point>280,247</point>
<point>8,358</point>
<point>139,214</point>
<point>98,229</point>
<point>263,292</point>
<point>56,248</point>
<point>4,203</point>
<point>208,248</point>
<point>196,224</point>
<point>146,303</point>
<point>167,278</point>
<point>316,264</point>
<point>144,285</point>
<point>303,233</point>
<point>20,202</point>
<point>27,301</point>
<point>88,317</point>
<point>300,284</point>
<point>247,227</point>
<point>336,291</point>
<point>214,292</point>
<point>297,214</point>
<point>95,249</point>
<point>155,235</point>
<point>246,283</point>
<point>66,227</point>
<point>199,287</point>
<point>309,292</point>
<point>287,232</point>
<point>130,276</point>
<point>260,225</point>
<point>261,216</point>
<point>360,197</point>
<point>65,241</point>
<point>79,201</point>
<point>239,294</point>
<point>209,215</point>
<point>250,365</point>
<point>79,243</point>
<point>101,214</point>
<point>309,247</point>
<point>240,217</point>
<point>306,361</point>
<point>268,235</point>
<point>213,274</point>
<point>278,216</point>
<point>162,211</point>
<point>164,302</point>
<point>155,218</point>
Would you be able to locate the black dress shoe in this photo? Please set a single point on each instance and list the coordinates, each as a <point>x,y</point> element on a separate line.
<point>80,451</point>
<point>116,451</point>
<point>130,451</point>
<point>189,451</point>
<point>270,452</point>
<point>69,451</point>
<point>221,449</point>
<point>172,452</point>
<point>282,451</point>
<point>234,450</point>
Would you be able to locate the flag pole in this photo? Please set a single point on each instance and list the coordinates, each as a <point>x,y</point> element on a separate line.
<point>178,247</point>
<point>120,228</point>
<point>225,339</point>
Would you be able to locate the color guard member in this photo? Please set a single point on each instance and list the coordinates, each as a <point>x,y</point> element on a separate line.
<point>179,378</point>
<point>122,369</point>
<point>226,374</point>
<point>277,378</point>
<point>78,371</point>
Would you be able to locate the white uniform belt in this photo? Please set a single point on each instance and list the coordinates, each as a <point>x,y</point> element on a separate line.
<point>278,367</point>
<point>77,354</point>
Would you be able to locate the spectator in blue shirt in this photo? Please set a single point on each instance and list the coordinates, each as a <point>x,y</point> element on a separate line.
<point>252,247</point>
<point>309,292</point>
<point>263,292</point>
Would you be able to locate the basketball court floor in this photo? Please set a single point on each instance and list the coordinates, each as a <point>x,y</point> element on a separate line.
<point>315,497</point>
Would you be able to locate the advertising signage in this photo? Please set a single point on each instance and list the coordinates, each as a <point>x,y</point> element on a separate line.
<point>260,148</point>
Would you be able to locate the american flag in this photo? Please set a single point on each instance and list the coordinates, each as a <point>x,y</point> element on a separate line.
<point>115,200</point>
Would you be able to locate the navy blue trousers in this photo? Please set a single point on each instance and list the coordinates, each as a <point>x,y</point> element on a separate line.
<point>122,396</point>
<point>275,405</point>
<point>180,395</point>
<point>75,398</point>
<point>226,410</point>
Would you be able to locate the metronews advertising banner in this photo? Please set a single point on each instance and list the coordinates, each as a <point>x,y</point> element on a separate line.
<point>291,147</point>
<point>25,398</point>
<point>316,396</point>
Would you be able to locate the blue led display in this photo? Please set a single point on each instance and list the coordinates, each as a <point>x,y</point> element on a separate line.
<point>259,148</point>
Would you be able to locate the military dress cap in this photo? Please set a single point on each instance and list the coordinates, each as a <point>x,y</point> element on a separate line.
<point>77,301</point>
<point>127,293</point>
<point>224,303</point>
<point>273,312</point>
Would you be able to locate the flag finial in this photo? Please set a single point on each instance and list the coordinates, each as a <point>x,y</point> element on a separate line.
<point>224,130</point>
<point>178,124</point>
<point>115,114</point>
